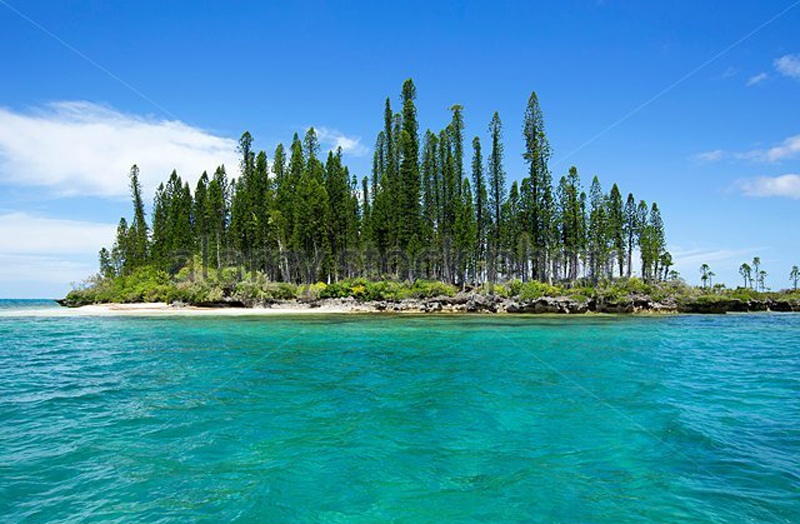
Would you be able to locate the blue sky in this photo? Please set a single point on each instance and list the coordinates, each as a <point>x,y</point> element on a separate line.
<point>695,105</point>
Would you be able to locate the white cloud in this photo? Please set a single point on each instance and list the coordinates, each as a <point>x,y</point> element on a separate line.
<point>788,65</point>
<point>333,139</point>
<point>30,272</point>
<point>779,186</point>
<point>88,149</point>
<point>688,261</point>
<point>22,233</point>
<point>757,79</point>
<point>710,156</point>
<point>787,149</point>
<point>730,72</point>
<point>696,257</point>
<point>40,256</point>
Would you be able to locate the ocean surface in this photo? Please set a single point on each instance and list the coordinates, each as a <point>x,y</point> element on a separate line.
<point>401,419</point>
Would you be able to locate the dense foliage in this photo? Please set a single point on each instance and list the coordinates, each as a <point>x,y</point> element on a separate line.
<point>301,219</point>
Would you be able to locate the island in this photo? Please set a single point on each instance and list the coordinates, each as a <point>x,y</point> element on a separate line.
<point>418,234</point>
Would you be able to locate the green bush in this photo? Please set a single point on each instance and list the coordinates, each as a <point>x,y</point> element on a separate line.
<point>341,289</point>
<point>385,290</point>
<point>188,292</point>
<point>533,290</point>
<point>258,289</point>
<point>312,291</point>
<point>513,287</point>
<point>431,288</point>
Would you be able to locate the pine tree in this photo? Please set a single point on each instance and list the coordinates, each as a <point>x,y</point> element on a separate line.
<point>261,204</point>
<point>201,219</point>
<point>457,141</point>
<point>465,234</point>
<point>572,231</point>
<point>161,244</point>
<point>430,197</point>
<point>537,154</point>
<point>288,196</point>
<point>183,239</point>
<point>310,231</point>
<point>138,243</point>
<point>409,211</point>
<point>279,165</point>
<point>658,245</point>
<point>247,161</point>
<point>641,234</point>
<point>497,187</point>
<point>550,238</point>
<point>217,214</point>
<point>366,212</point>
<point>616,226</point>
<point>482,220</point>
<point>245,202</point>
<point>106,265</point>
<point>513,238</point>
<point>409,201</point>
<point>598,231</point>
<point>584,231</point>
<point>378,162</point>
<point>311,145</point>
<point>391,134</point>
<point>451,204</point>
<point>390,166</point>
<point>630,230</point>
<point>382,222</point>
<point>337,186</point>
<point>119,253</point>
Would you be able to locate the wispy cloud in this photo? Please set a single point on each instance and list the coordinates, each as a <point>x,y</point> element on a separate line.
<point>788,65</point>
<point>789,148</point>
<point>688,261</point>
<point>23,275</point>
<point>333,139</point>
<point>709,156</point>
<point>787,186</point>
<point>40,256</point>
<point>86,148</point>
<point>757,79</point>
<point>23,233</point>
<point>730,72</point>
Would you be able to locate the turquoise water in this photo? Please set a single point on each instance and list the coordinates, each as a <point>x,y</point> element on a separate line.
<point>370,419</point>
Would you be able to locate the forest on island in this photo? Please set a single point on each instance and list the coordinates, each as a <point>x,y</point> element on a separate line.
<point>429,210</point>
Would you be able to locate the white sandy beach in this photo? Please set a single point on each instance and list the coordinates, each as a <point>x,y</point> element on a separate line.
<point>163,309</point>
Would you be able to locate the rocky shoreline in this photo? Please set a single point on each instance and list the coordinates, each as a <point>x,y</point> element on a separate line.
<point>481,303</point>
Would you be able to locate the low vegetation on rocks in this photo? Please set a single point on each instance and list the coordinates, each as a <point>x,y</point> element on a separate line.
<point>232,287</point>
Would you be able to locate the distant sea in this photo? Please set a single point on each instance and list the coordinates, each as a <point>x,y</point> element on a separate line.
<point>17,304</point>
<point>406,419</point>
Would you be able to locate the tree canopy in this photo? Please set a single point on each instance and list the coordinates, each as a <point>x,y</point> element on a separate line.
<point>303,217</point>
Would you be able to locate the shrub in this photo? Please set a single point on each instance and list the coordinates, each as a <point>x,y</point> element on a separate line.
<point>431,288</point>
<point>258,289</point>
<point>533,290</point>
<point>339,289</point>
<point>513,287</point>
<point>384,290</point>
<point>313,291</point>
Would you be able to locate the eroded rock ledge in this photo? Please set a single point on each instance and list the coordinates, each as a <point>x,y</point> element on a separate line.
<point>480,303</point>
